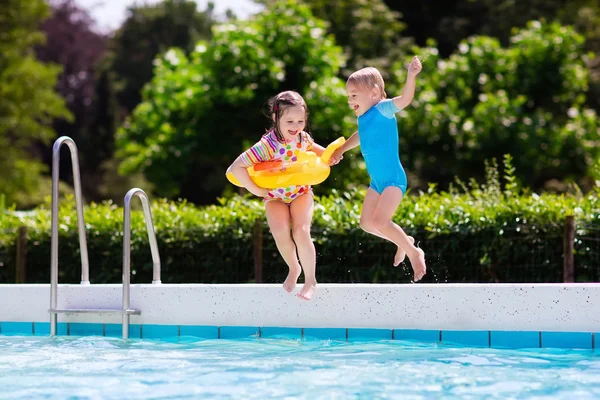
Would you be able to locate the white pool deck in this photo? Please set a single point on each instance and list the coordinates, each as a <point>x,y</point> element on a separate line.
<point>509,307</point>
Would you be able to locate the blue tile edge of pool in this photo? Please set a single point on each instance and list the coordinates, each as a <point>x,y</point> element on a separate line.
<point>494,339</point>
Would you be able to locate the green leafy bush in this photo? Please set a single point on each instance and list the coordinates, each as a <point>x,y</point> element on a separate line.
<point>200,112</point>
<point>485,100</point>
<point>471,233</point>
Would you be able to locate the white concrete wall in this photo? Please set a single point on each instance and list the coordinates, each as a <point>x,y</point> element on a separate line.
<point>532,307</point>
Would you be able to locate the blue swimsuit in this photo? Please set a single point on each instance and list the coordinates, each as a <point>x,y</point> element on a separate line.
<point>378,135</point>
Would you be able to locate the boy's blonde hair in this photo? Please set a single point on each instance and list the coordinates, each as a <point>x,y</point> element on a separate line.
<point>368,78</point>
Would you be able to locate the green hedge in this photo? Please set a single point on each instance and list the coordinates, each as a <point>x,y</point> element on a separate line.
<point>470,234</point>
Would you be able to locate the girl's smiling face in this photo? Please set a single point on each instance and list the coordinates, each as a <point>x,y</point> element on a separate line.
<point>291,122</point>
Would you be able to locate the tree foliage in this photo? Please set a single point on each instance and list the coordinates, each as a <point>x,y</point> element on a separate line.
<point>449,22</point>
<point>199,112</point>
<point>368,30</point>
<point>527,100</point>
<point>148,31</point>
<point>28,102</point>
<point>73,43</point>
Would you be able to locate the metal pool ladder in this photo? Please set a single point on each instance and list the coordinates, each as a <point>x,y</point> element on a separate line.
<point>126,310</point>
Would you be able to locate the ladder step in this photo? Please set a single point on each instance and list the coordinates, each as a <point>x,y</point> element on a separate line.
<point>94,311</point>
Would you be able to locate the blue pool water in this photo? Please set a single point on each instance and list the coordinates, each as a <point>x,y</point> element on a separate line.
<point>110,368</point>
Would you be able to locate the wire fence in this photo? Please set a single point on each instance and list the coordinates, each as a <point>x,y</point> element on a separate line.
<point>587,252</point>
<point>512,254</point>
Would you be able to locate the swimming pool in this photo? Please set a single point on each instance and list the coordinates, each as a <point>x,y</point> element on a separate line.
<point>497,315</point>
<point>350,341</point>
<point>282,367</point>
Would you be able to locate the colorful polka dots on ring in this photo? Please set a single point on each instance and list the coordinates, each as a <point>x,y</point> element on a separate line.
<point>288,153</point>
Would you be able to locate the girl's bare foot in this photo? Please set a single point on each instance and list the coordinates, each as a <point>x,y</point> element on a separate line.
<point>401,254</point>
<point>417,260</point>
<point>292,278</point>
<point>307,290</point>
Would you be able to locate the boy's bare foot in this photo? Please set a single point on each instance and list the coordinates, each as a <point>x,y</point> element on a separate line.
<point>401,254</point>
<point>307,290</point>
<point>417,261</point>
<point>292,278</point>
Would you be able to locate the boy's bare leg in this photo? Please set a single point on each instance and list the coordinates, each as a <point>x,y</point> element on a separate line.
<point>386,207</point>
<point>366,223</point>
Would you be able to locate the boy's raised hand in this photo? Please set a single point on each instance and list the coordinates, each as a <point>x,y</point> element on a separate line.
<point>415,66</point>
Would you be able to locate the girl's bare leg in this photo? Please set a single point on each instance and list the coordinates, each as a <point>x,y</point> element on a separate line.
<point>278,218</point>
<point>301,211</point>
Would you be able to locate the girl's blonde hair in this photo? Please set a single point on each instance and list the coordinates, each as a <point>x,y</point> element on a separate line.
<point>368,78</point>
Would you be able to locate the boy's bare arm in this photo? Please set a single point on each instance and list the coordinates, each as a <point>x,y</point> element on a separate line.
<point>350,143</point>
<point>408,93</point>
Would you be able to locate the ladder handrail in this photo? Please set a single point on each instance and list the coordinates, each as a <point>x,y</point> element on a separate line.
<point>85,280</point>
<point>85,266</point>
<point>85,275</point>
<point>127,249</point>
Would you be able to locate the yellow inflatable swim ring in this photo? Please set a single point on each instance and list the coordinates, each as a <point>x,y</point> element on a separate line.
<point>308,169</point>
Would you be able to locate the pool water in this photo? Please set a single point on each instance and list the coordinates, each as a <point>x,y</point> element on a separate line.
<point>110,368</point>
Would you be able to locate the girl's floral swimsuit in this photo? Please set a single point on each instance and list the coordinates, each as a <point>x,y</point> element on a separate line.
<point>271,149</point>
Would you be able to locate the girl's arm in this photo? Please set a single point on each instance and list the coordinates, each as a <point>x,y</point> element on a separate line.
<point>408,93</point>
<point>312,145</point>
<point>240,171</point>
<point>317,149</point>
